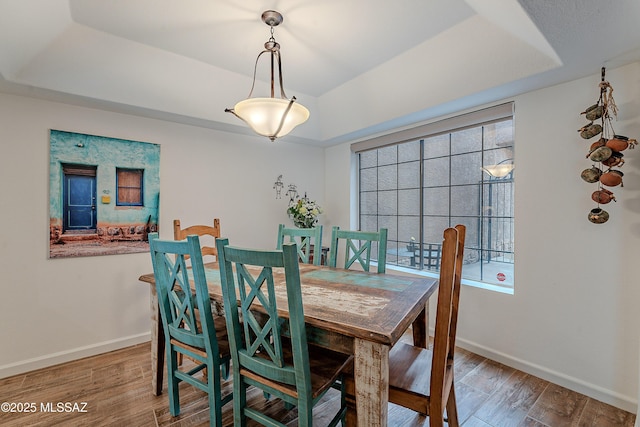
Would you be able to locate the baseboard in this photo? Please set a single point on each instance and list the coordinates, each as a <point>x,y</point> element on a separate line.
<point>70,355</point>
<point>601,394</point>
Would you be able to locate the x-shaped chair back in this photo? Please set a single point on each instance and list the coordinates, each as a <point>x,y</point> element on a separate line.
<point>307,240</point>
<point>358,247</point>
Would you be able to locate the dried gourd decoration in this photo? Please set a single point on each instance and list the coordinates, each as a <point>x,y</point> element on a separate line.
<point>606,152</point>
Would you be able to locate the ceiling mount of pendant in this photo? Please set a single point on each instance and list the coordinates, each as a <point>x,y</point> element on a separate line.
<point>272,18</point>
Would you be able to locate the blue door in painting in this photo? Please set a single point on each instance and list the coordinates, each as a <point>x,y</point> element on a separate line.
<point>79,195</point>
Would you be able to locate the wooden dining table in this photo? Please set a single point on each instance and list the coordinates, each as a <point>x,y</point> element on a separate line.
<point>351,311</point>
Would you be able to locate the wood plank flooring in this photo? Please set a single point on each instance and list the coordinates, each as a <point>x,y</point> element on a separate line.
<point>116,388</point>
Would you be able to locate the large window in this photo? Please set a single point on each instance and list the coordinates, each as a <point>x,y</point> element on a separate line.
<point>417,188</point>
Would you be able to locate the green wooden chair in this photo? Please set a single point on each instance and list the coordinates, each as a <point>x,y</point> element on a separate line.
<point>188,323</point>
<point>285,367</point>
<point>358,246</point>
<point>307,240</point>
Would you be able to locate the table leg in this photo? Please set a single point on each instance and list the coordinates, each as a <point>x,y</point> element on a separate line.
<point>371,375</point>
<point>157,345</point>
<point>420,328</point>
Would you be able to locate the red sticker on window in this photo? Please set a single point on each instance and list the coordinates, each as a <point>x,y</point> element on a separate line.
<point>501,277</point>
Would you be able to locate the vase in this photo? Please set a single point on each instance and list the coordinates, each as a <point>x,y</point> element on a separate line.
<point>598,216</point>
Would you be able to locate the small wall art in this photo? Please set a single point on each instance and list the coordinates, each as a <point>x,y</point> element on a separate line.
<point>292,192</point>
<point>278,186</point>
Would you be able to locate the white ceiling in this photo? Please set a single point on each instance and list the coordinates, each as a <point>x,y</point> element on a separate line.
<point>361,66</point>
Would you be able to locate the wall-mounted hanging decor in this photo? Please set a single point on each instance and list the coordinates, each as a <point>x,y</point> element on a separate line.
<point>292,192</point>
<point>126,176</point>
<point>605,153</point>
<point>278,185</point>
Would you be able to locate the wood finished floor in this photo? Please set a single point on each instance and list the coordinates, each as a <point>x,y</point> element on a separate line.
<point>116,387</point>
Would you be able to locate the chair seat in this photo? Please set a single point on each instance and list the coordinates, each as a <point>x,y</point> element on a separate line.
<point>325,365</point>
<point>221,336</point>
<point>223,347</point>
<point>410,376</point>
<point>221,327</point>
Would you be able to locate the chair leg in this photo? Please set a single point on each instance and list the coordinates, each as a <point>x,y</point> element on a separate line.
<point>436,420</point>
<point>173,383</point>
<point>180,355</point>
<point>215,397</point>
<point>452,410</point>
<point>305,414</point>
<point>341,416</point>
<point>225,370</point>
<point>435,412</point>
<point>239,400</point>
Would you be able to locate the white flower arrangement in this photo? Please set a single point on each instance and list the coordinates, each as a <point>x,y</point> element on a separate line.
<point>304,212</point>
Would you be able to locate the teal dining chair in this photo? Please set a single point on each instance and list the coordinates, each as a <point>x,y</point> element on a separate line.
<point>188,323</point>
<point>358,246</point>
<point>307,240</point>
<point>288,368</point>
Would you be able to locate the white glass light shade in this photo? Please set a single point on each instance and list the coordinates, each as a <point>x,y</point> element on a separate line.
<point>264,115</point>
<point>500,170</point>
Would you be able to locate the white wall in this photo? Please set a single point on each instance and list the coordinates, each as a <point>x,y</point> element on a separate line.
<point>61,309</point>
<point>574,316</point>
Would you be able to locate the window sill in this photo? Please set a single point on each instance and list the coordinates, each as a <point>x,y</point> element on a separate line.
<point>466,282</point>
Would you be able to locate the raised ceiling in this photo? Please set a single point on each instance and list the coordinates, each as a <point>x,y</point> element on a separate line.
<point>361,66</point>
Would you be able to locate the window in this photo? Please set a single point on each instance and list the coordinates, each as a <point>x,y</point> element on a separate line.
<point>418,187</point>
<point>129,187</point>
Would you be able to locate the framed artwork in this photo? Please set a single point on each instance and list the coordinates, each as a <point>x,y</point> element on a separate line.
<point>104,194</point>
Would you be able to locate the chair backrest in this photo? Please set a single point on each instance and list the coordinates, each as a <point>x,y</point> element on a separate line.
<point>447,312</point>
<point>306,240</point>
<point>205,231</point>
<point>180,319</point>
<point>257,344</point>
<point>358,247</point>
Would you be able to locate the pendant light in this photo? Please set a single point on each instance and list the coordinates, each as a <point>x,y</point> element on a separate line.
<point>271,117</point>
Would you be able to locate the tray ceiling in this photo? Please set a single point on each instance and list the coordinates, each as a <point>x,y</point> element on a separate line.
<point>361,67</point>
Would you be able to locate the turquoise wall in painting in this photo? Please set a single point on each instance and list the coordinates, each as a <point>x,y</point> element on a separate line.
<point>106,154</point>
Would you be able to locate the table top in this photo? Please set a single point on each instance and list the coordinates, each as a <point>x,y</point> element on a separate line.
<point>357,304</point>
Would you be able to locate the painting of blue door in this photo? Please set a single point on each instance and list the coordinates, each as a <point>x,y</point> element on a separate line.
<point>104,194</point>
<point>79,195</point>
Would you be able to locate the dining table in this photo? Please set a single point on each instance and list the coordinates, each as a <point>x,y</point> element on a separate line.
<point>350,311</point>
